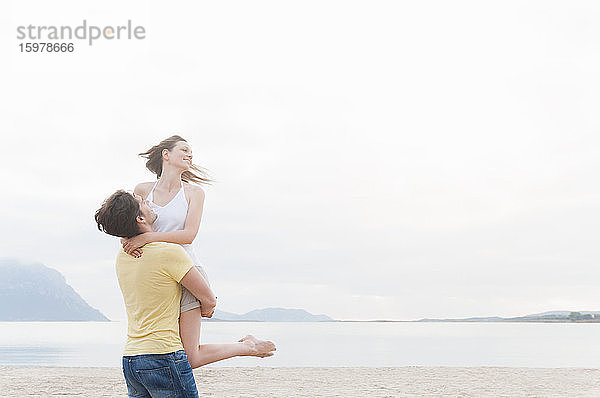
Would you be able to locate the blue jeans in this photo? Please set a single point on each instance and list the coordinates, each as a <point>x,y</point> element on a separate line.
<point>159,375</point>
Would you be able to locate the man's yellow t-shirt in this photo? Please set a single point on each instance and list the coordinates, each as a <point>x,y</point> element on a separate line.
<point>151,291</point>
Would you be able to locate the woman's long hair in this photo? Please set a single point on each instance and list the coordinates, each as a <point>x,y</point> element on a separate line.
<point>196,174</point>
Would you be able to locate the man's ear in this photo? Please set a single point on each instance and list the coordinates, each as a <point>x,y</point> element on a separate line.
<point>140,219</point>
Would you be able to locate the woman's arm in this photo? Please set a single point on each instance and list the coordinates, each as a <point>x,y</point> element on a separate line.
<point>197,285</point>
<point>183,236</point>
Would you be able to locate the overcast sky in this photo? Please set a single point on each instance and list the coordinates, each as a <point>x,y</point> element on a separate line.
<point>372,160</point>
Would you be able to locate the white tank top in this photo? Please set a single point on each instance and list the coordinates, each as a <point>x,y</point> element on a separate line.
<point>171,217</point>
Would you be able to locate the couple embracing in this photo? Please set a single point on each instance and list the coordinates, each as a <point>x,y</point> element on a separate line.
<point>165,289</point>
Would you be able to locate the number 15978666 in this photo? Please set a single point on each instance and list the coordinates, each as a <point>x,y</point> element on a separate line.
<point>47,47</point>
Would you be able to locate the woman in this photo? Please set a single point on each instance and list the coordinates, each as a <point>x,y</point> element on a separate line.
<point>178,202</point>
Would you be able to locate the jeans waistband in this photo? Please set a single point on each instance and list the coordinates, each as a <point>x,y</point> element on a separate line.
<point>156,356</point>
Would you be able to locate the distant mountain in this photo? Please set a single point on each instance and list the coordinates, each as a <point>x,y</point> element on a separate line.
<point>560,314</point>
<point>33,292</point>
<point>272,315</point>
<point>549,316</point>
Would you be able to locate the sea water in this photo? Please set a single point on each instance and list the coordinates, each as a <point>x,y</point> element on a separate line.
<point>352,344</point>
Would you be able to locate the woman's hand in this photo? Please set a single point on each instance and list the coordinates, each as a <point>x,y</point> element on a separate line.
<point>207,310</point>
<point>132,246</point>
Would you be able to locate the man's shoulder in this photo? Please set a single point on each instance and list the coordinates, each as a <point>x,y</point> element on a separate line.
<point>169,255</point>
<point>163,247</point>
<point>154,251</point>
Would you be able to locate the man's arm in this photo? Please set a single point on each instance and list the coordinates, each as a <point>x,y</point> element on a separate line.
<point>197,285</point>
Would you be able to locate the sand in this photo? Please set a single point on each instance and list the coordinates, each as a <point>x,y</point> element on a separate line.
<point>318,382</point>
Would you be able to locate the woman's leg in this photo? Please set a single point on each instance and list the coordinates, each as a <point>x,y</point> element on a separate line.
<point>202,354</point>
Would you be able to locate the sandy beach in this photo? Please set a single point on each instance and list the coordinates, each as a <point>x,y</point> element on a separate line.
<point>318,382</point>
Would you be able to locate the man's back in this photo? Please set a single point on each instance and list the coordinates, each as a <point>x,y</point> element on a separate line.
<point>151,291</point>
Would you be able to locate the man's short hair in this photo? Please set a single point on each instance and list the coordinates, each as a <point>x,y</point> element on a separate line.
<point>117,215</point>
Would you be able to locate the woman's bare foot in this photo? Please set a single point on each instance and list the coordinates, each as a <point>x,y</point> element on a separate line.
<point>258,348</point>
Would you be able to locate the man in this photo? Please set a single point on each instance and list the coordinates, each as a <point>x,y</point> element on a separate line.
<point>154,363</point>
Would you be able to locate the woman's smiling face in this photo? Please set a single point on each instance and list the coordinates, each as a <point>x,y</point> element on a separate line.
<point>180,156</point>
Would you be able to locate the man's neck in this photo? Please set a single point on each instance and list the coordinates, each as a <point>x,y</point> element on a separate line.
<point>145,228</point>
